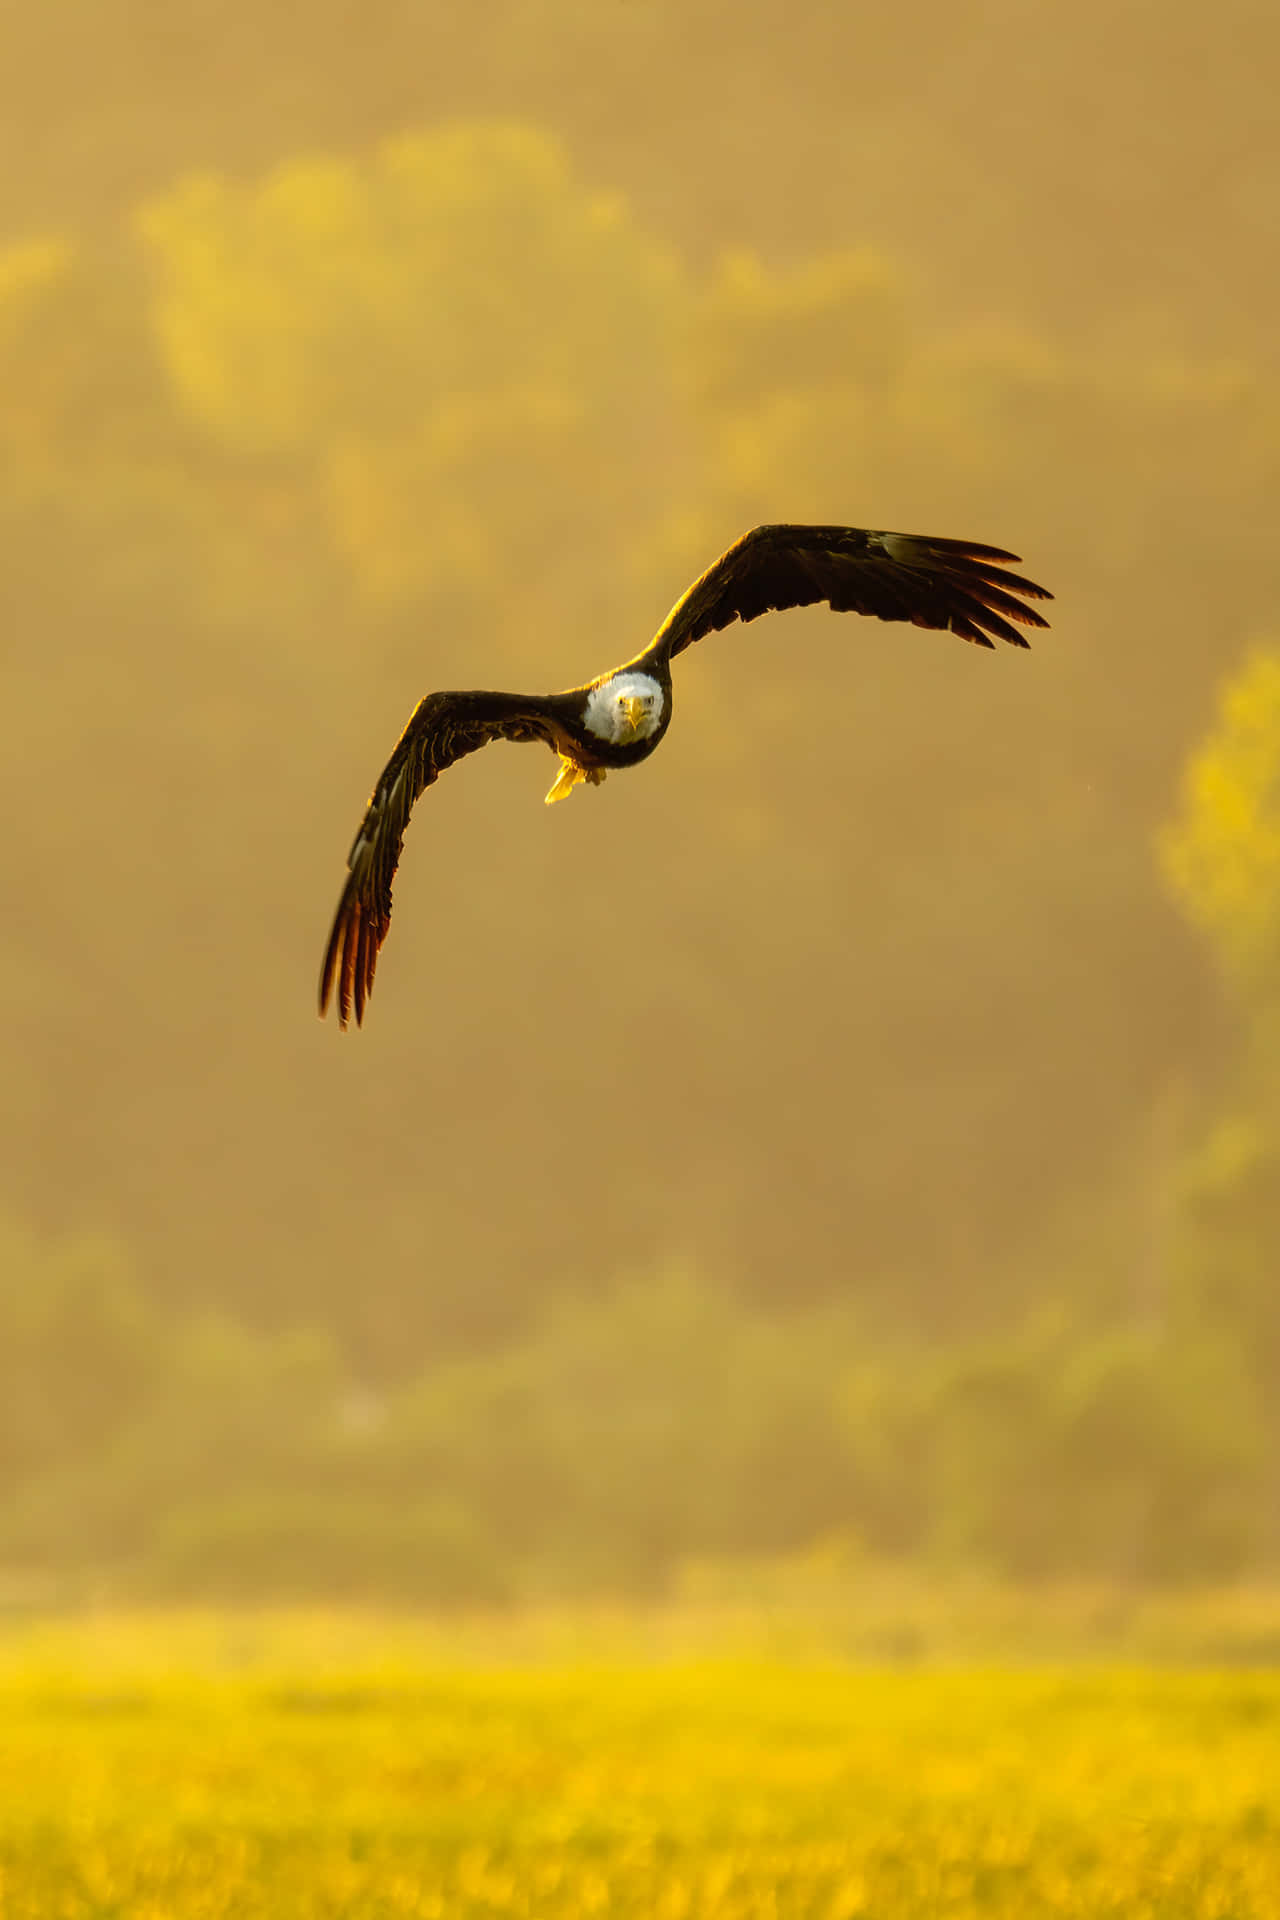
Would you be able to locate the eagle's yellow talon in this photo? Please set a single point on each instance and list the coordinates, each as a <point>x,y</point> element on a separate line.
<point>572,775</point>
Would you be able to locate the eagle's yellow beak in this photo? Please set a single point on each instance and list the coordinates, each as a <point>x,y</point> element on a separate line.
<point>634,709</point>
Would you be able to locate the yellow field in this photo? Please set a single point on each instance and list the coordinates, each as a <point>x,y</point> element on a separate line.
<point>237,1772</point>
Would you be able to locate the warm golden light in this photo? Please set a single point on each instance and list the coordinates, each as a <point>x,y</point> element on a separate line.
<point>858,1124</point>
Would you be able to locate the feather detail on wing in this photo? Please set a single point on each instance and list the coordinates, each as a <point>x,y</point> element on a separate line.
<point>444,727</point>
<point>952,585</point>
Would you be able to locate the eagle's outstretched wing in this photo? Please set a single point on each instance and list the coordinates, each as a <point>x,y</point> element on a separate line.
<point>444,727</point>
<point>952,585</point>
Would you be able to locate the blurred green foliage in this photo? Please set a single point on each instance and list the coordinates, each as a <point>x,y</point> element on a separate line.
<point>1221,856</point>
<point>434,331</point>
<point>613,1445</point>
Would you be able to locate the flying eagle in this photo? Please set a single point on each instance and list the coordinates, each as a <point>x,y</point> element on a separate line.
<point>619,718</point>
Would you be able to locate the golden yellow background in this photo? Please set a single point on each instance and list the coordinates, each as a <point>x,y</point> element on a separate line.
<point>859,1121</point>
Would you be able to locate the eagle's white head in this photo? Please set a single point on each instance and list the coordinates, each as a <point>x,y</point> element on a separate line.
<point>625,709</point>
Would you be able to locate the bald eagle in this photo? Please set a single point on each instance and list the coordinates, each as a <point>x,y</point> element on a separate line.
<point>617,719</point>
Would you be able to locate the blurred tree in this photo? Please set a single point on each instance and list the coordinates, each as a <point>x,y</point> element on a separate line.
<point>474,350</point>
<point>1221,856</point>
<point>1157,1461</point>
<point>660,1422</point>
<point>1221,859</point>
<point>1229,1216</point>
<point>78,1350</point>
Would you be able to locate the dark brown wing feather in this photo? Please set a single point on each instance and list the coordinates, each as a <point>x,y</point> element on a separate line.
<point>444,727</point>
<point>952,585</point>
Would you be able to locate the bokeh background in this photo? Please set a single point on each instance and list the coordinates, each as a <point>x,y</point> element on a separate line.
<point>860,1129</point>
